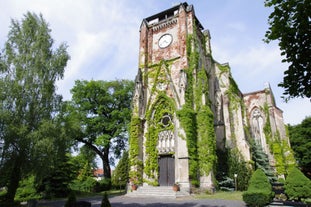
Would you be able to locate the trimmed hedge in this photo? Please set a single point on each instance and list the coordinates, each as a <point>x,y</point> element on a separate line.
<point>259,192</point>
<point>257,197</point>
<point>297,185</point>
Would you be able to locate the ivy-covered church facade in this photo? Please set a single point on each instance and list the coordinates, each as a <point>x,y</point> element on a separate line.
<point>191,124</point>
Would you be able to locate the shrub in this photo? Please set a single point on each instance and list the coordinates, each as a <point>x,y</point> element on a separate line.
<point>86,185</point>
<point>103,185</point>
<point>257,197</point>
<point>259,192</point>
<point>297,185</point>
<point>26,190</point>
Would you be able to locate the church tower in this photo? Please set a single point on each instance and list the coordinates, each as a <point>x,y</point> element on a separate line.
<point>173,62</point>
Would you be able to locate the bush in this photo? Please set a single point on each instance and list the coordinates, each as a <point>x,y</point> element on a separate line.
<point>259,192</point>
<point>297,185</point>
<point>26,190</point>
<point>87,185</point>
<point>256,198</point>
<point>103,185</point>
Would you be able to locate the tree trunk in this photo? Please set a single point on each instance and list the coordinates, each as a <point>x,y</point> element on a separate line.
<point>106,165</point>
<point>13,183</point>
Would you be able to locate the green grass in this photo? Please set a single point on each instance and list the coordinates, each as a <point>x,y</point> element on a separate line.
<point>225,195</point>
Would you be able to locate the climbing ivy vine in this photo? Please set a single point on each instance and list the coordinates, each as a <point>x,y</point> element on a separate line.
<point>235,160</point>
<point>163,105</point>
<point>281,150</point>
<point>196,117</point>
<point>135,162</point>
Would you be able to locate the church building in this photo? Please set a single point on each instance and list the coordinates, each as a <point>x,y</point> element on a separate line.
<point>191,125</point>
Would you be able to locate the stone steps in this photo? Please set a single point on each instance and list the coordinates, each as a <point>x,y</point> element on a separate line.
<point>158,191</point>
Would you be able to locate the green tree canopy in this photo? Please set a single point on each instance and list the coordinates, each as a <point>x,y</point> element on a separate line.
<point>290,23</point>
<point>300,139</point>
<point>29,66</point>
<point>102,109</point>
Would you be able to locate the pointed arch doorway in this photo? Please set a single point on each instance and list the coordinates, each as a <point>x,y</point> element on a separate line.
<point>166,170</point>
<point>166,148</point>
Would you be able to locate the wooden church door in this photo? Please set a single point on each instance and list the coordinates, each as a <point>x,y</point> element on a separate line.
<point>166,170</point>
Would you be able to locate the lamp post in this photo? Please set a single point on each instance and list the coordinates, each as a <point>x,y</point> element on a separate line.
<point>235,182</point>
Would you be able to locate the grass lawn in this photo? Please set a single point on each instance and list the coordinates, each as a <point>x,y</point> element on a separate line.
<point>226,195</point>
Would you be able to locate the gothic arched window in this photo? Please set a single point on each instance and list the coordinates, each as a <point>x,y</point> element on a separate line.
<point>166,135</point>
<point>257,124</point>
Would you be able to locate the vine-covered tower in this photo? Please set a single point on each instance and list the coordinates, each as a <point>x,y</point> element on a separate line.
<point>186,107</point>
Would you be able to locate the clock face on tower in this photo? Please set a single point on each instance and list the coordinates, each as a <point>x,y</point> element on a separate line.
<point>165,40</point>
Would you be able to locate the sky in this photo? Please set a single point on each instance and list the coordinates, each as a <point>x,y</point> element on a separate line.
<point>103,40</point>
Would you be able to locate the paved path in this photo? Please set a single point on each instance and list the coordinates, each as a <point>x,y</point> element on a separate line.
<point>123,201</point>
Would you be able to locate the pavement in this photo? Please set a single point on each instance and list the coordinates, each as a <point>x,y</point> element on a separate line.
<point>124,201</point>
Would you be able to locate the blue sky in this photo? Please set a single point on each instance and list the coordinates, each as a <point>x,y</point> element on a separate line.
<point>103,37</point>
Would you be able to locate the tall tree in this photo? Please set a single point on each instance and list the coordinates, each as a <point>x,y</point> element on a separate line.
<point>290,23</point>
<point>300,140</point>
<point>121,172</point>
<point>103,110</point>
<point>29,67</point>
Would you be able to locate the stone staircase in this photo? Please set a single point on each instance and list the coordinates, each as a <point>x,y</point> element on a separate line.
<point>159,191</point>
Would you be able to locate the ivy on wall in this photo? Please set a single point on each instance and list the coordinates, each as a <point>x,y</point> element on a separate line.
<point>283,155</point>
<point>162,106</point>
<point>197,118</point>
<point>206,132</point>
<point>235,162</point>
<point>135,161</point>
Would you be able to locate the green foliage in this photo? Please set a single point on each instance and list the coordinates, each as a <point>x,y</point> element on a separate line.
<point>279,157</point>
<point>187,118</point>
<point>151,163</point>
<point>163,105</point>
<point>86,185</point>
<point>121,173</point>
<point>256,198</point>
<point>300,140</point>
<point>290,25</point>
<point>29,67</point>
<point>238,166</point>
<point>259,180</point>
<point>55,183</point>
<point>282,153</point>
<point>105,201</point>
<point>233,162</point>
<point>26,190</point>
<point>297,185</point>
<point>261,160</point>
<point>102,109</point>
<point>136,164</point>
<point>206,140</point>
<point>259,192</point>
<point>102,185</point>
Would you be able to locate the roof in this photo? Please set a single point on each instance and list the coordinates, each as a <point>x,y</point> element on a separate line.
<point>170,12</point>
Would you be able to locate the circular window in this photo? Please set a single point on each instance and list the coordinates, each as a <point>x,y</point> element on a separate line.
<point>166,119</point>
